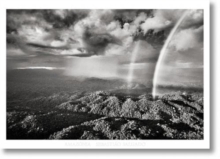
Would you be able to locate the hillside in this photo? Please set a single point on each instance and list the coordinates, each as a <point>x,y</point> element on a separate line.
<point>104,115</point>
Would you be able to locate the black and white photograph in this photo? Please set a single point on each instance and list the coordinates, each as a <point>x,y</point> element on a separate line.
<point>105,74</point>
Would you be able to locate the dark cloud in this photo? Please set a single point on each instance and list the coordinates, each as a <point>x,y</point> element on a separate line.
<point>154,38</point>
<point>129,15</point>
<point>40,28</point>
<point>58,19</point>
<point>96,43</point>
<point>17,18</point>
<point>46,47</point>
<point>63,18</point>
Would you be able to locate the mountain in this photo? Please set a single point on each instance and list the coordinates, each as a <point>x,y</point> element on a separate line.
<point>104,115</point>
<point>132,86</point>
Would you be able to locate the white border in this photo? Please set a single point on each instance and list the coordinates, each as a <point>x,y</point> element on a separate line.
<point>107,144</point>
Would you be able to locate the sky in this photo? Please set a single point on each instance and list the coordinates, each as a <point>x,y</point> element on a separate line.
<point>100,43</point>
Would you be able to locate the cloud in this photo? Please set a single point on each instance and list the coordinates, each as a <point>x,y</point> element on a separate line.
<point>163,19</point>
<point>96,31</point>
<point>157,23</point>
<point>106,39</point>
<point>63,18</point>
<point>44,27</point>
<point>71,52</point>
<point>97,42</point>
<point>15,52</point>
<point>194,19</point>
<point>187,39</point>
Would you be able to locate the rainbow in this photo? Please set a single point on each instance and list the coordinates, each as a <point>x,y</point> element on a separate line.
<point>163,53</point>
<point>132,62</point>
